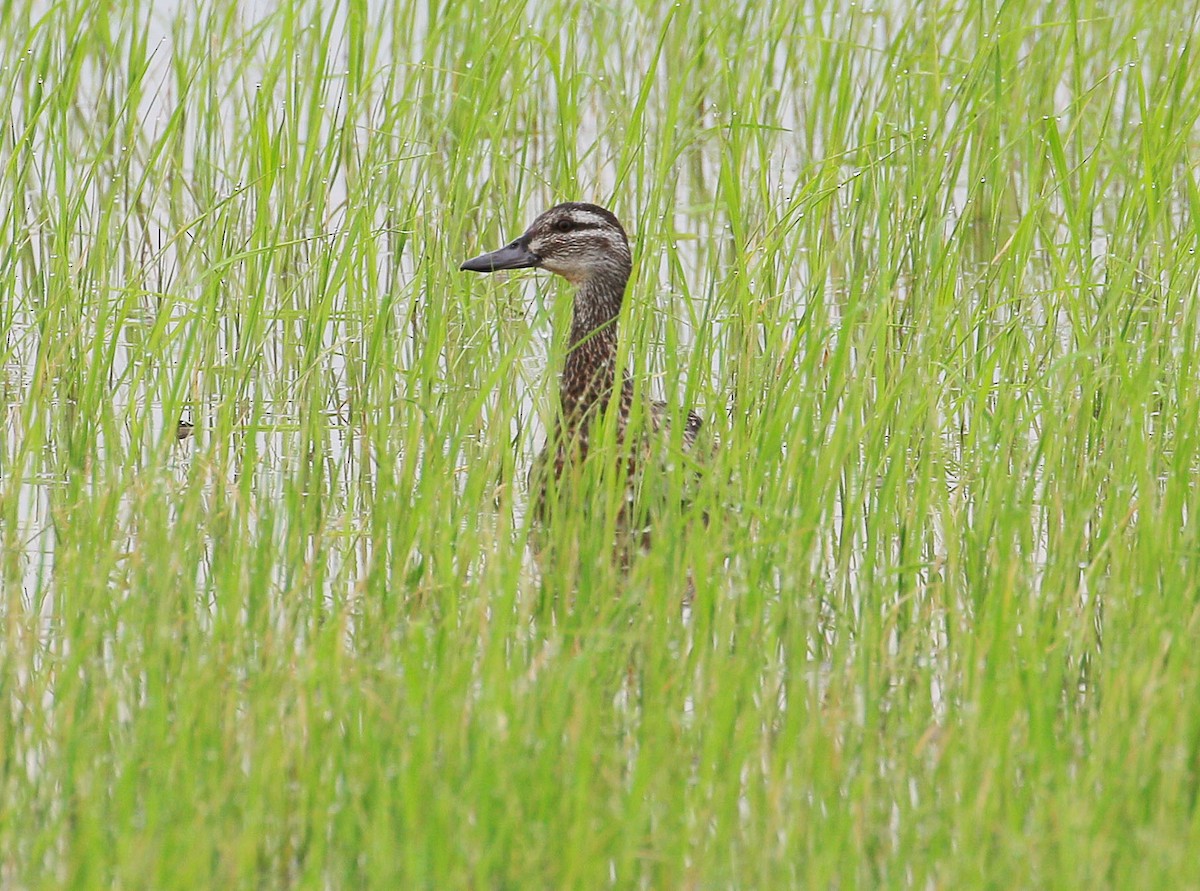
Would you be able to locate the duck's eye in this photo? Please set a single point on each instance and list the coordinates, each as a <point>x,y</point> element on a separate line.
<point>564,226</point>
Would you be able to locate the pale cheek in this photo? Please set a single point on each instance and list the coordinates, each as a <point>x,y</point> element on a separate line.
<point>569,271</point>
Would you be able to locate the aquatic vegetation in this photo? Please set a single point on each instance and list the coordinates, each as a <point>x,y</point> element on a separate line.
<point>929,275</point>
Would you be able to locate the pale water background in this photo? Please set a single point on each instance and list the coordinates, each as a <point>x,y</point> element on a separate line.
<point>165,276</point>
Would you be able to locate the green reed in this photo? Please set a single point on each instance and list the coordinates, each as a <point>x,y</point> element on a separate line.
<point>929,274</point>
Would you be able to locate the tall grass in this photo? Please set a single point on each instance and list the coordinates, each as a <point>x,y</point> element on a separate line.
<point>929,274</point>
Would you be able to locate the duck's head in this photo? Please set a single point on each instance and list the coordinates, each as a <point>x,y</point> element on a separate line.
<point>580,242</point>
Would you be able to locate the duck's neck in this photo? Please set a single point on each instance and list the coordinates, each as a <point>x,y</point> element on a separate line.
<point>590,371</point>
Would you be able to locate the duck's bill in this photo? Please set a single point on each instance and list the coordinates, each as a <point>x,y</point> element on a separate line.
<point>511,256</point>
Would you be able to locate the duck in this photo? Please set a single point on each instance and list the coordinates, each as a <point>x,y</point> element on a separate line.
<point>587,245</point>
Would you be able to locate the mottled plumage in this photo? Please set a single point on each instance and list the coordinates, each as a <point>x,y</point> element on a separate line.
<point>586,245</point>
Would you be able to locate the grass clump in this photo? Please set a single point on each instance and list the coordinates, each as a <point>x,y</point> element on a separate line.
<point>930,276</point>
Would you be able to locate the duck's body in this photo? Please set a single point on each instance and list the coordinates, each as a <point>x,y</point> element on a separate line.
<point>585,244</point>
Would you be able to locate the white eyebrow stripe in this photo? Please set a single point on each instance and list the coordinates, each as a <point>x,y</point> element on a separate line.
<point>587,218</point>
